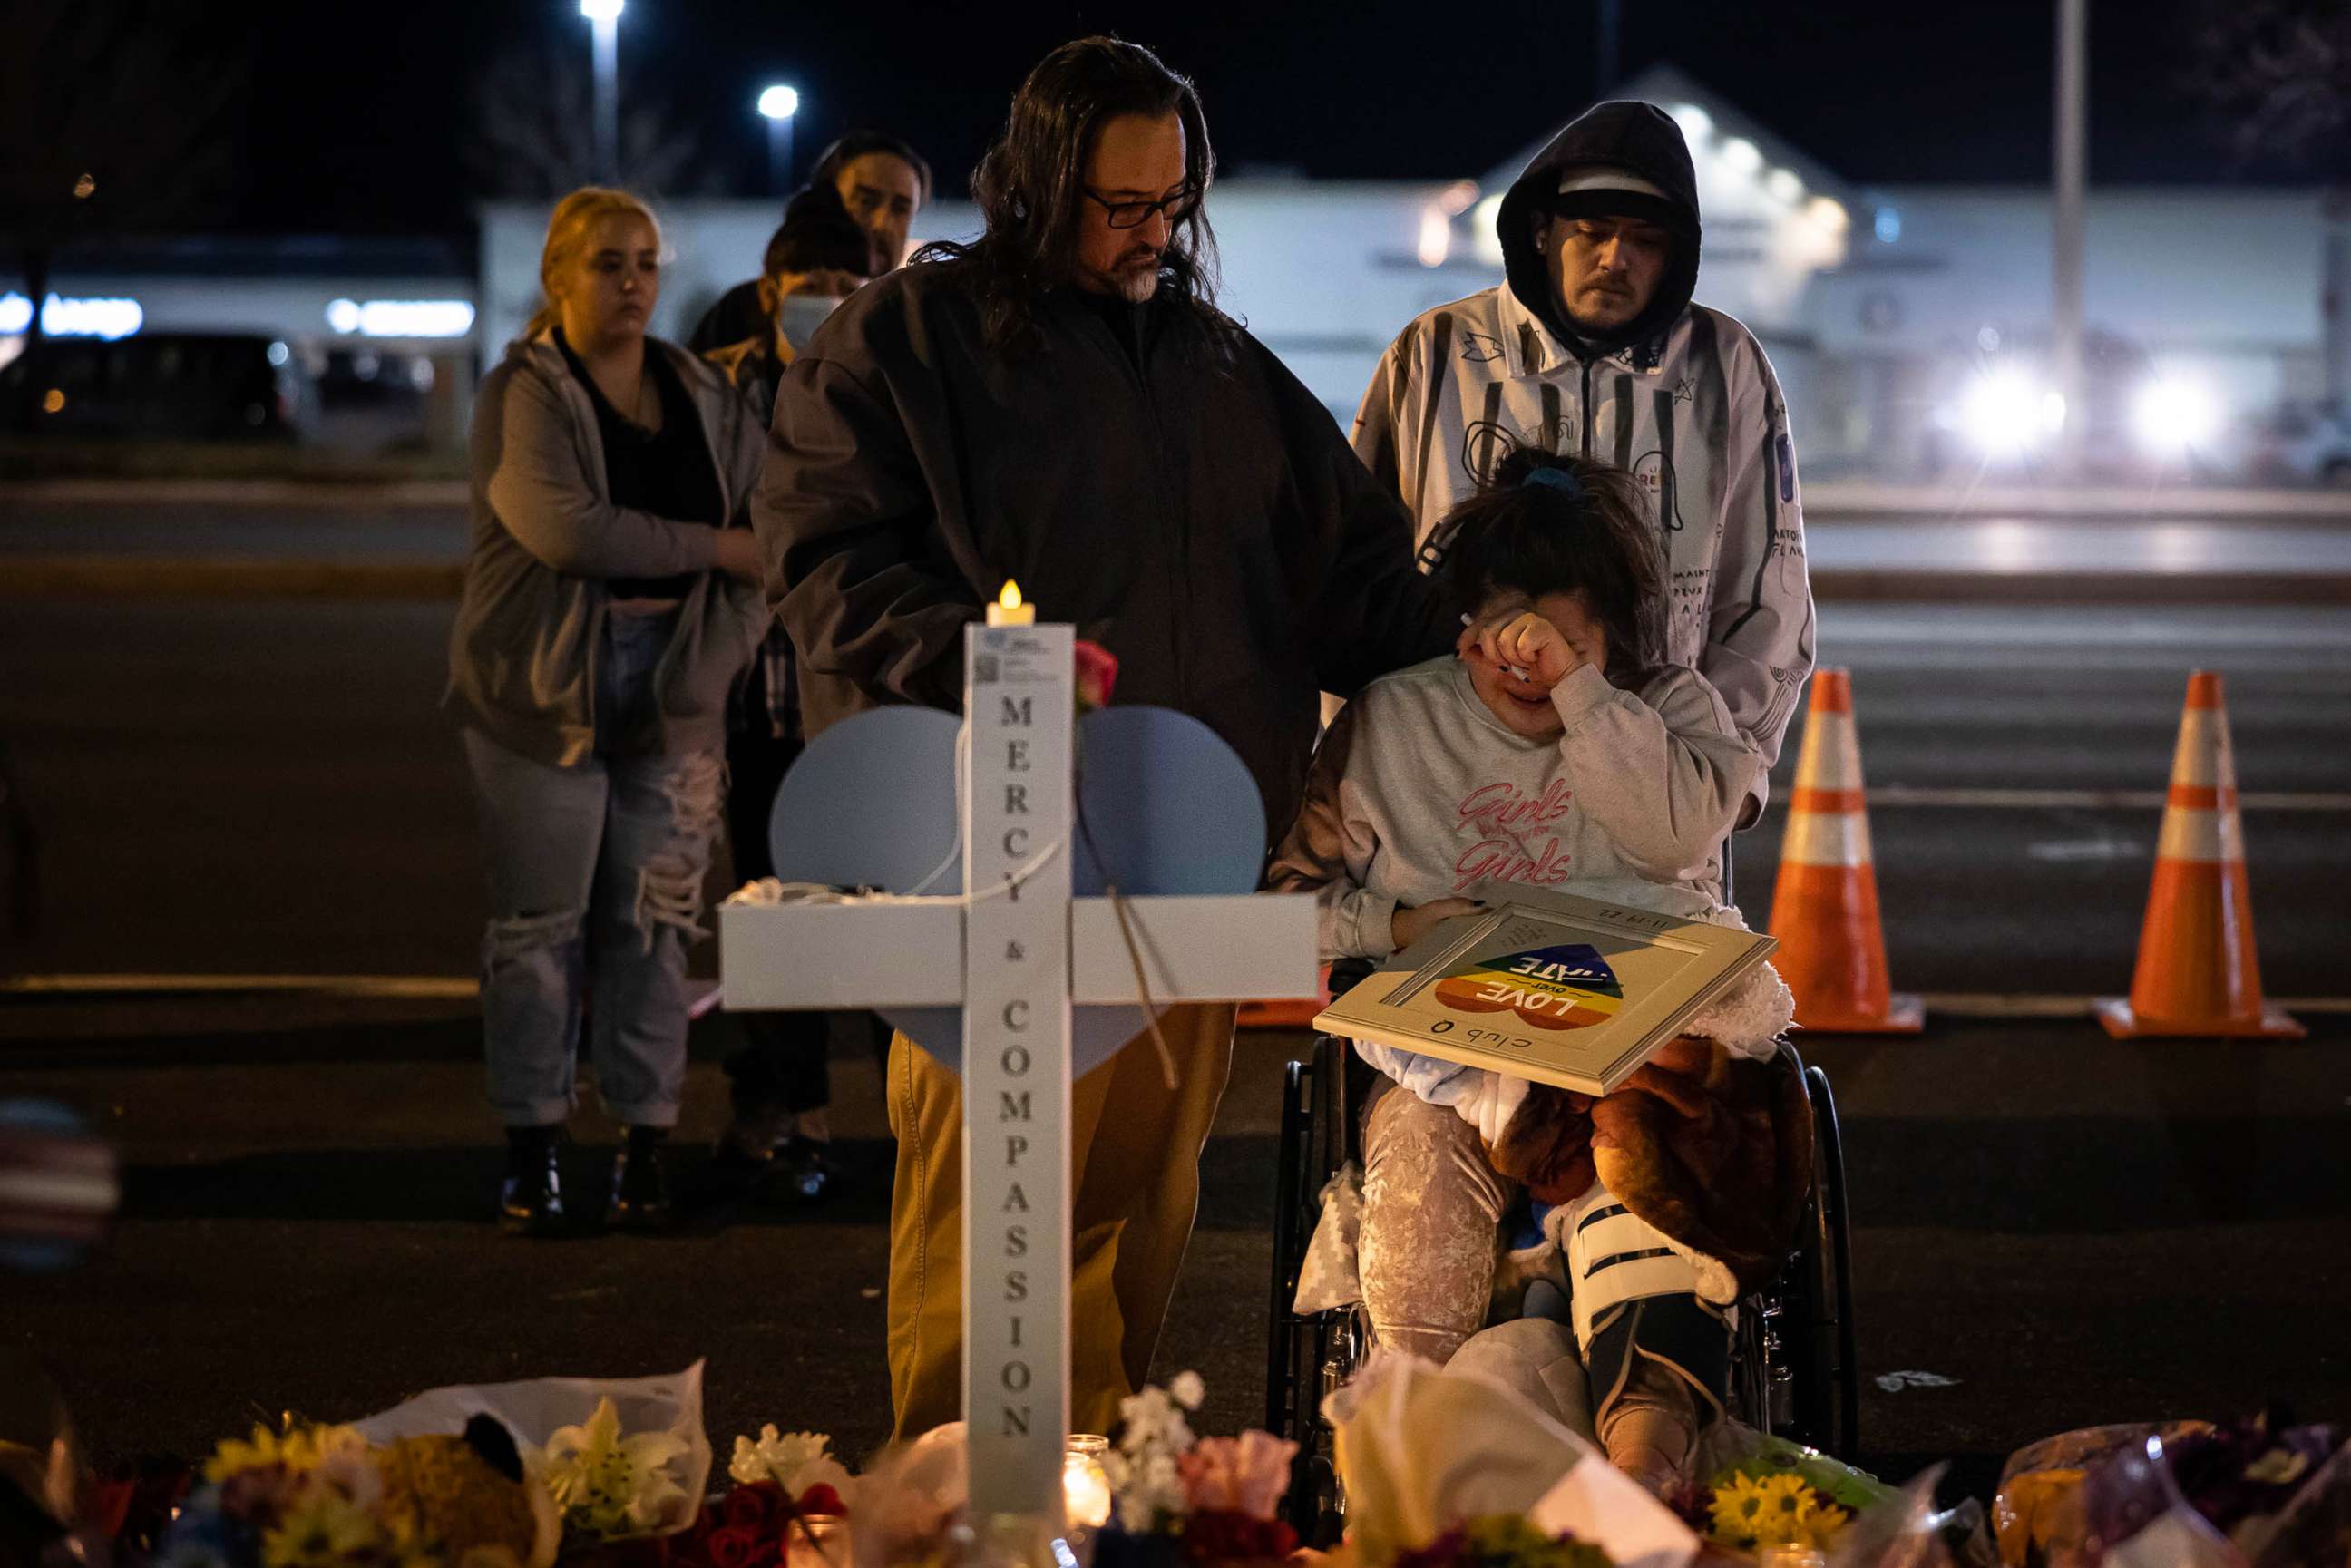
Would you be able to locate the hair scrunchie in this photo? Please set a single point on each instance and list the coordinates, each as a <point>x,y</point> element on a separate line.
<point>1558,479</point>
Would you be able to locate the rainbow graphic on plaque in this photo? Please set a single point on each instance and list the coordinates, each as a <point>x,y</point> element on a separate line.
<point>1566,986</point>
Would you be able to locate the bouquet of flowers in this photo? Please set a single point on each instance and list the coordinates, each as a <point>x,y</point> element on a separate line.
<point>789,1489</point>
<point>618,1459</point>
<point>1749,1492</point>
<point>1203,1499</point>
<point>322,1496</point>
<point>2263,1491</point>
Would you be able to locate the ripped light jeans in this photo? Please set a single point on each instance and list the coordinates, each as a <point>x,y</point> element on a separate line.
<point>595,868</point>
<point>1427,1251</point>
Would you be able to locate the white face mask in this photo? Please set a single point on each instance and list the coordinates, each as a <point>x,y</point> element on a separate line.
<point>797,315</point>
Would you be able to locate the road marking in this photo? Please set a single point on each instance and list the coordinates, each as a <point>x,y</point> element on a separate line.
<point>427,987</point>
<point>2046,1005</point>
<point>702,995</point>
<point>1899,797</point>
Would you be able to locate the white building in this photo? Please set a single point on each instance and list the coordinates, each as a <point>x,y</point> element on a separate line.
<point>1909,323</point>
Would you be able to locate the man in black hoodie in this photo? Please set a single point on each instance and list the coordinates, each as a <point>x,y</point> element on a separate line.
<point>1592,345</point>
<point>1061,403</point>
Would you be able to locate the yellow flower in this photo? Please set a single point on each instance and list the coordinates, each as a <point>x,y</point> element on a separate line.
<point>1738,1510</point>
<point>300,1450</point>
<point>1821,1524</point>
<point>1787,1503</point>
<point>322,1529</point>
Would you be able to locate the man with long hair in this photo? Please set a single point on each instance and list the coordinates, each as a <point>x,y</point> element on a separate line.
<point>1061,402</point>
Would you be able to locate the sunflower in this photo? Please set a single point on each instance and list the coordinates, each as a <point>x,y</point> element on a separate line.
<point>1821,1524</point>
<point>1788,1502</point>
<point>1737,1510</point>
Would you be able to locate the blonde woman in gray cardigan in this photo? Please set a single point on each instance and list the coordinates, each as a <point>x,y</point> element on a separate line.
<point>612,598</point>
<point>1555,750</point>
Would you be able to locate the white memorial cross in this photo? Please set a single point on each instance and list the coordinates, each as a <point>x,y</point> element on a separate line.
<point>1029,951</point>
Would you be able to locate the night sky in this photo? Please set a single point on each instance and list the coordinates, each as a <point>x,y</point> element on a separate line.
<point>354,114</point>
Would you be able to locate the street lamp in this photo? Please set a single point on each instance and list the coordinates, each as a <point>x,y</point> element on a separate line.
<point>780,103</point>
<point>604,15</point>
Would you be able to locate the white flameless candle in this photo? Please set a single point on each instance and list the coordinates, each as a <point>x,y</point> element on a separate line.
<point>1008,609</point>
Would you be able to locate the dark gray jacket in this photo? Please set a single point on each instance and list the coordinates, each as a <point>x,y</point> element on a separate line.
<point>1188,505</point>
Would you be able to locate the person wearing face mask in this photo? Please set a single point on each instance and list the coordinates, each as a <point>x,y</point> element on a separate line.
<point>778,1144</point>
<point>611,598</point>
<point>881,182</point>
<point>1591,346</point>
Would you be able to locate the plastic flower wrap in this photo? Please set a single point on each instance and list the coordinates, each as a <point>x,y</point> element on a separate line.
<point>1428,1454</point>
<point>2036,1513</point>
<point>609,1483</point>
<point>621,1456</point>
<point>2261,1492</point>
<point>1749,1492</point>
<point>911,1500</point>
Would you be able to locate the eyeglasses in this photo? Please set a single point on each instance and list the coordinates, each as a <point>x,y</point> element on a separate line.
<point>1135,214</point>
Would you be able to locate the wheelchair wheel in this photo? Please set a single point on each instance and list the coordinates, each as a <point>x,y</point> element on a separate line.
<point>1816,1326</point>
<point>1794,1372</point>
<point>1309,1354</point>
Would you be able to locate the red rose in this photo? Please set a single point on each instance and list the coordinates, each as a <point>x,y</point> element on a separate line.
<point>1229,1535</point>
<point>690,1547</point>
<point>1097,674</point>
<point>741,1546</point>
<point>753,1503</point>
<point>822,1499</point>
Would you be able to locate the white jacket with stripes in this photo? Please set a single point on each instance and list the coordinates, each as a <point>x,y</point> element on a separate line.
<point>1696,414</point>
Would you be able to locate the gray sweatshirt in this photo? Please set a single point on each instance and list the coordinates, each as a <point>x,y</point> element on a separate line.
<point>1420,793</point>
<point>545,539</point>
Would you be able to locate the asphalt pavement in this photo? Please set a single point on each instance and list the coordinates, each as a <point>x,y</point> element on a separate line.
<point>2069,1228</point>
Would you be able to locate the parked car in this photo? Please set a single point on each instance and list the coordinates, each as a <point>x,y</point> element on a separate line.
<point>157,386</point>
<point>2307,441</point>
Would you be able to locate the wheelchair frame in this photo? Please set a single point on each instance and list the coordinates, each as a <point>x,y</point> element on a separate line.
<point>1793,1369</point>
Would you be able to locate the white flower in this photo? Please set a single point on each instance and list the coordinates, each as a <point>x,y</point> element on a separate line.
<point>609,1485</point>
<point>1143,1478</point>
<point>793,1460</point>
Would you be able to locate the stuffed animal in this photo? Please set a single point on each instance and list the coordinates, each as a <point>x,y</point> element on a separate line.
<point>468,1494</point>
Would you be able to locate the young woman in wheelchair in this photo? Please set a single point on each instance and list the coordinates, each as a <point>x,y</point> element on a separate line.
<point>1557,750</point>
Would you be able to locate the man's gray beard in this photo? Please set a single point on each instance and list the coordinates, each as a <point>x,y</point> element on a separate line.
<point>1136,288</point>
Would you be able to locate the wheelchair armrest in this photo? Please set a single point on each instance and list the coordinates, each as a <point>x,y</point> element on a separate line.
<point>1346,974</point>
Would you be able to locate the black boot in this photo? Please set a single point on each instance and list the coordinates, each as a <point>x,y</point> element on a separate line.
<point>530,1197</point>
<point>804,1171</point>
<point>641,1200</point>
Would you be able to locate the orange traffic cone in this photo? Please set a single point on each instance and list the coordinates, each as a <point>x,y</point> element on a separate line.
<point>1298,1013</point>
<point>2197,973</point>
<point>1824,906</point>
